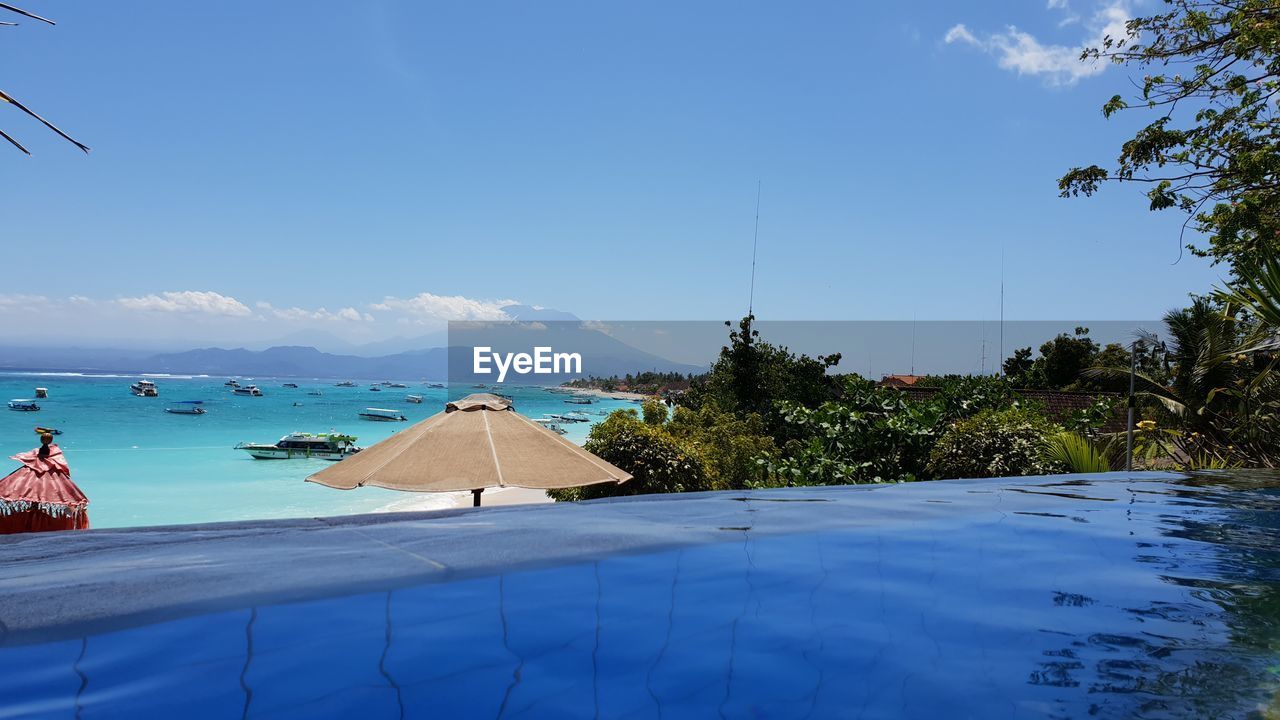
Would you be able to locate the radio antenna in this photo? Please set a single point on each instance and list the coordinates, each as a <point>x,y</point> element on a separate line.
<point>755,243</point>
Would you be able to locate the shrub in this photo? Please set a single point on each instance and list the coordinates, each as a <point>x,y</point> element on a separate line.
<point>995,443</point>
<point>736,452</point>
<point>657,462</point>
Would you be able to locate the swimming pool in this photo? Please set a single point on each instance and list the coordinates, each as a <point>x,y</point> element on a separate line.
<point>1081,596</point>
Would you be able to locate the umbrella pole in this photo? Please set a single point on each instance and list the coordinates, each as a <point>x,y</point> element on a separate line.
<point>475,494</point>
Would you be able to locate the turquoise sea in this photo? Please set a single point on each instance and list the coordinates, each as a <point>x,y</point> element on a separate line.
<point>142,466</point>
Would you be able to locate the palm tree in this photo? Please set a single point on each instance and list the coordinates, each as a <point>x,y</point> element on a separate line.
<point>9,99</point>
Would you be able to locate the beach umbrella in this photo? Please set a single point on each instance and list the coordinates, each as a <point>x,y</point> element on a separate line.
<point>478,442</point>
<point>39,496</point>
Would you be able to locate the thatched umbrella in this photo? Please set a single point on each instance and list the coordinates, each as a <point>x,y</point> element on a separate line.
<point>40,496</point>
<point>476,443</point>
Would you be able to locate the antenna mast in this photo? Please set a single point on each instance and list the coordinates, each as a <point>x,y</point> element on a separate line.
<point>1001,358</point>
<point>755,242</point>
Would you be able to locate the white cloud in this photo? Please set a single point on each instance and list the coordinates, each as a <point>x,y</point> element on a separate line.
<point>346,314</point>
<point>188,301</point>
<point>1022,53</point>
<point>19,303</point>
<point>429,308</point>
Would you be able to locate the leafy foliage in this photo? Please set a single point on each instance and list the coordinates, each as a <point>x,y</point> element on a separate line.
<point>1076,454</point>
<point>995,443</point>
<point>656,461</point>
<point>753,376</point>
<point>1213,148</point>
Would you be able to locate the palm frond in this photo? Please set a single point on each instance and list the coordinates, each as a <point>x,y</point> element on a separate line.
<point>5,97</point>
<point>1076,453</point>
<point>20,11</point>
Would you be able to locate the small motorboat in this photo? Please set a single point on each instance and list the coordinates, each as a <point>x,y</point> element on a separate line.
<point>186,407</point>
<point>21,405</point>
<point>42,393</point>
<point>321,446</point>
<point>51,431</point>
<point>231,383</point>
<point>345,383</point>
<point>290,385</point>
<point>415,399</point>
<point>315,393</point>
<point>382,415</point>
<point>579,400</point>
<point>145,388</point>
<point>571,417</point>
<point>394,385</point>
<point>551,424</point>
<point>375,388</point>
<point>435,385</point>
<point>250,390</point>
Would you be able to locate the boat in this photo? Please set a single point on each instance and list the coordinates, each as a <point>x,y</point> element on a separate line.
<point>322,446</point>
<point>375,388</point>
<point>394,385</point>
<point>23,405</point>
<point>481,386</point>
<point>382,415</point>
<point>250,390</point>
<point>145,388</point>
<point>42,393</point>
<point>345,383</point>
<point>551,424</point>
<point>231,383</point>
<point>186,407</point>
<point>316,393</point>
<point>573,417</point>
<point>435,385</point>
<point>290,385</point>
<point>51,431</point>
<point>415,399</point>
<point>578,400</point>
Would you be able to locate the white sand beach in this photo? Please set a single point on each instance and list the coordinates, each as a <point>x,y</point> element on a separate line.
<point>492,497</point>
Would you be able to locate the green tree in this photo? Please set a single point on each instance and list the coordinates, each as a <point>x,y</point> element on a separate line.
<point>752,376</point>
<point>656,460</point>
<point>1020,369</point>
<point>1065,357</point>
<point>653,411</point>
<point>1212,147</point>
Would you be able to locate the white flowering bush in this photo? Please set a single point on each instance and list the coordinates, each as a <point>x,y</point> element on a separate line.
<point>996,443</point>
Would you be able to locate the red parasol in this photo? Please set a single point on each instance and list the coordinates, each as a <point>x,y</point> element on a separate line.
<point>40,496</point>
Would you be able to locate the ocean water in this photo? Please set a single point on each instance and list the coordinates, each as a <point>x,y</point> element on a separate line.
<point>140,465</point>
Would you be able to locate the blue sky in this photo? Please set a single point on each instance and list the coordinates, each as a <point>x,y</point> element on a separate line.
<point>372,169</point>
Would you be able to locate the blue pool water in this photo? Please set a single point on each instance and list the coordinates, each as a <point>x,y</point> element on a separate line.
<point>142,466</point>
<point>1072,598</point>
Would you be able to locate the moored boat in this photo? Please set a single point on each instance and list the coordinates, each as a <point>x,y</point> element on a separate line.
<point>186,407</point>
<point>382,415</point>
<point>145,388</point>
<point>51,431</point>
<point>322,446</point>
<point>250,390</point>
<point>231,383</point>
<point>551,424</point>
<point>316,393</point>
<point>415,399</point>
<point>42,393</point>
<point>345,383</point>
<point>290,385</point>
<point>579,400</point>
<point>22,405</point>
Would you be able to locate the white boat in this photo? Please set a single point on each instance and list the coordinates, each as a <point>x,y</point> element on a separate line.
<point>573,417</point>
<point>579,400</point>
<point>322,446</point>
<point>375,388</point>
<point>316,393</point>
<point>382,415</point>
<point>23,405</point>
<point>394,385</point>
<point>42,393</point>
<point>551,424</point>
<point>145,388</point>
<point>345,383</point>
<point>435,385</point>
<point>415,399</point>
<point>186,407</point>
<point>231,383</point>
<point>250,390</point>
